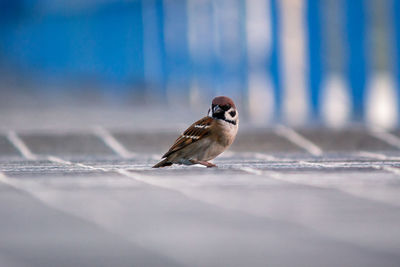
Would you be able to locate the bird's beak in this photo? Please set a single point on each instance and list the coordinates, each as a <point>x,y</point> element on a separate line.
<point>217,109</point>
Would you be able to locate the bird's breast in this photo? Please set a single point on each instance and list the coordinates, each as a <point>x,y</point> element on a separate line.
<point>226,133</point>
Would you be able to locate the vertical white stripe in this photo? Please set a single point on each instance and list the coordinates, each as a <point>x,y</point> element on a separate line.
<point>260,98</point>
<point>335,101</point>
<point>295,95</point>
<point>227,38</point>
<point>151,56</point>
<point>191,35</point>
<point>381,98</point>
<point>258,30</point>
<point>227,46</point>
<point>260,88</point>
<point>200,38</point>
<point>381,101</point>
<point>175,28</point>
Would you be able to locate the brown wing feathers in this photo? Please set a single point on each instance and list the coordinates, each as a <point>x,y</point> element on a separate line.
<point>192,134</point>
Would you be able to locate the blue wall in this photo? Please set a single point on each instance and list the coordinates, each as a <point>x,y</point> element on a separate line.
<point>146,44</point>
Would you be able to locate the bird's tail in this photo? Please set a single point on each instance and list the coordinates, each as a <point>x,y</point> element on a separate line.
<point>163,163</point>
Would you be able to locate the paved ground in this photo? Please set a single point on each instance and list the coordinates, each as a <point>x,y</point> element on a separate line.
<point>280,197</point>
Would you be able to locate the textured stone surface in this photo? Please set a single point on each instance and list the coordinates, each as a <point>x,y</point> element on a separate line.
<point>78,145</point>
<point>345,140</point>
<point>34,233</point>
<point>269,202</point>
<point>7,149</point>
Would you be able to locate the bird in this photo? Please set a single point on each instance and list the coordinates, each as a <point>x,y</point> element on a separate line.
<point>205,139</point>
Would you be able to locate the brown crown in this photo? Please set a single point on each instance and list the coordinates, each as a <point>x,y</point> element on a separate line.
<point>223,100</point>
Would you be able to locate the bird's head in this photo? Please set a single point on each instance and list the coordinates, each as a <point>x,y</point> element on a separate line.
<point>223,108</point>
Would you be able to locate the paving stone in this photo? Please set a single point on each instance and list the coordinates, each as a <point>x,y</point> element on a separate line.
<point>147,142</point>
<point>335,213</point>
<point>68,145</point>
<point>169,223</point>
<point>263,141</point>
<point>246,141</point>
<point>7,149</point>
<point>268,202</point>
<point>396,133</point>
<point>33,234</point>
<point>345,140</point>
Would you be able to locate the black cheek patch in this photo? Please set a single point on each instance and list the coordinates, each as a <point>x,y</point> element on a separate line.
<point>220,115</point>
<point>232,113</point>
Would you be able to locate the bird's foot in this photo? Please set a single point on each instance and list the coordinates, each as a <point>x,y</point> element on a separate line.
<point>204,163</point>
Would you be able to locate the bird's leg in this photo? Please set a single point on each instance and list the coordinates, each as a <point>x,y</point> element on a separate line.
<point>204,163</point>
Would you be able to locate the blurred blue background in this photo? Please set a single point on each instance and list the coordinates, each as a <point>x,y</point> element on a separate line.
<point>332,62</point>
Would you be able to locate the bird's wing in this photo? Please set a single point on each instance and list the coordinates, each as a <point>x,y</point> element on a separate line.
<point>194,133</point>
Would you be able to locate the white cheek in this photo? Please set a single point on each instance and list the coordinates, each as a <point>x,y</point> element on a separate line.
<point>228,115</point>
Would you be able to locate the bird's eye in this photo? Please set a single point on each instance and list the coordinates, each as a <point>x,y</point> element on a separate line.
<point>232,113</point>
<point>225,107</point>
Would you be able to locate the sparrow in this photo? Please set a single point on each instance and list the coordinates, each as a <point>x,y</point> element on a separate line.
<point>206,138</point>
